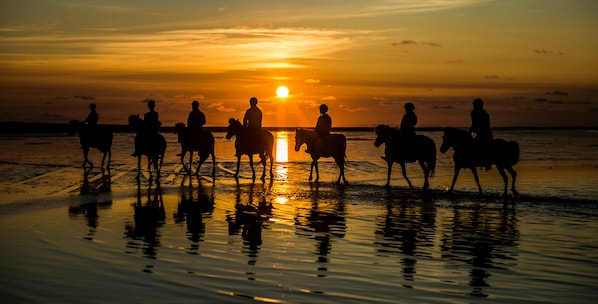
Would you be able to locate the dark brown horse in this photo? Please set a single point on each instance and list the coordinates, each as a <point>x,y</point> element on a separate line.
<point>152,145</point>
<point>249,142</point>
<point>99,138</point>
<point>333,145</point>
<point>202,143</point>
<point>401,150</point>
<point>504,154</point>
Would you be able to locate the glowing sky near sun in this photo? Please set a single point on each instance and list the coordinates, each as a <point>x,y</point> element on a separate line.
<point>533,61</point>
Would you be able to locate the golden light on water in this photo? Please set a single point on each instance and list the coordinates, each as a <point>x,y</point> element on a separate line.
<point>282,148</point>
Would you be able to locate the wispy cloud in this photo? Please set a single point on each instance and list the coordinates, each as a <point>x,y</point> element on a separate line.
<point>220,107</point>
<point>548,52</point>
<point>413,42</point>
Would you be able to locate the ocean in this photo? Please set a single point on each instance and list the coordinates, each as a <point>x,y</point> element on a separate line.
<point>94,236</point>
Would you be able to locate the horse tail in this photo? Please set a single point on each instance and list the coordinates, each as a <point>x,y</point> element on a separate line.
<point>513,152</point>
<point>432,160</point>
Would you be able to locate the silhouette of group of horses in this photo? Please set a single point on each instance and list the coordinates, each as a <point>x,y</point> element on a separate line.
<point>398,149</point>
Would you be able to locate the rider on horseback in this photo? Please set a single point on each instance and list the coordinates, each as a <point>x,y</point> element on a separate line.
<point>195,122</point>
<point>152,123</point>
<point>480,126</point>
<point>323,126</point>
<point>253,119</point>
<point>408,131</point>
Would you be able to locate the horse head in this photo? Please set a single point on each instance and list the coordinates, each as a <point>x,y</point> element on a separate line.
<point>74,126</point>
<point>234,127</point>
<point>454,137</point>
<point>301,137</point>
<point>135,121</point>
<point>381,134</point>
<point>179,127</point>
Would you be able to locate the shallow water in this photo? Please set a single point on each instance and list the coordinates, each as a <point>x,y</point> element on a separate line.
<point>67,236</point>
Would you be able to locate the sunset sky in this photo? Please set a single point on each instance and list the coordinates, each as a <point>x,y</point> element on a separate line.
<point>534,62</point>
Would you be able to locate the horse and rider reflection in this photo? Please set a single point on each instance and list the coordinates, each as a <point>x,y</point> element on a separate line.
<point>197,203</point>
<point>484,238</point>
<point>406,228</point>
<point>323,221</point>
<point>144,231</point>
<point>249,218</point>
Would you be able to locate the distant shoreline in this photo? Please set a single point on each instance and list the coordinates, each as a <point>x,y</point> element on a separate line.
<point>10,127</point>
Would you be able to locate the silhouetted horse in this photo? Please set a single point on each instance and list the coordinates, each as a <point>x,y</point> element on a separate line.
<point>397,150</point>
<point>99,138</point>
<point>333,145</point>
<point>202,143</point>
<point>246,143</point>
<point>504,154</point>
<point>151,145</point>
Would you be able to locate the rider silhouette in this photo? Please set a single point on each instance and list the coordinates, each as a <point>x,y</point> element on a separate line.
<point>409,120</point>
<point>407,130</point>
<point>196,119</point>
<point>253,119</point>
<point>323,126</point>
<point>152,123</point>
<point>195,122</point>
<point>92,117</point>
<point>480,126</point>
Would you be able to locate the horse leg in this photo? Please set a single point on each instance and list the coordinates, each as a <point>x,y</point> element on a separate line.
<point>263,161</point>
<point>103,158</point>
<point>424,167</point>
<point>505,178</point>
<point>109,158</point>
<point>388,173</point>
<point>271,164</point>
<point>238,164</point>
<point>513,177</point>
<point>317,171</point>
<point>251,165</point>
<point>183,161</point>
<point>474,171</point>
<point>138,166</point>
<point>405,174</point>
<point>341,165</point>
<point>311,170</point>
<point>85,159</point>
<point>213,165</point>
<point>201,160</point>
<point>455,175</point>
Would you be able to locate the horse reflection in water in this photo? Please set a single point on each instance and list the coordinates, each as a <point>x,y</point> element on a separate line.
<point>99,138</point>
<point>249,141</point>
<point>249,218</point>
<point>485,238</point>
<point>152,145</point>
<point>196,204</point>
<point>504,154</point>
<point>323,222</point>
<point>203,143</point>
<point>333,145</point>
<point>401,150</point>
<point>99,183</point>
<point>407,230</point>
<point>149,217</point>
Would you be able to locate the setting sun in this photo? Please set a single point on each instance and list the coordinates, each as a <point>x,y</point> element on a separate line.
<point>282,92</point>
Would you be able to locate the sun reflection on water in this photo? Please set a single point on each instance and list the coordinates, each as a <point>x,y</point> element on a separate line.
<point>282,147</point>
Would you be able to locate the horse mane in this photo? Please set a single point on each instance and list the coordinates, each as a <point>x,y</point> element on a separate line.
<point>233,121</point>
<point>458,132</point>
<point>386,129</point>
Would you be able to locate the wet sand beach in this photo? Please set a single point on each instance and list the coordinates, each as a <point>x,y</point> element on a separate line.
<point>94,236</point>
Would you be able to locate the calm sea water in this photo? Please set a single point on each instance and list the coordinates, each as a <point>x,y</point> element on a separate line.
<point>91,237</point>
